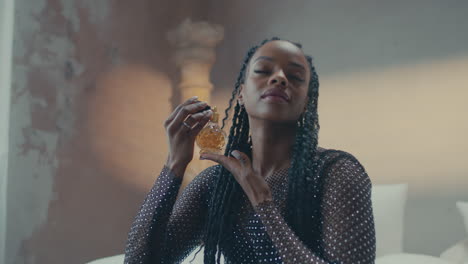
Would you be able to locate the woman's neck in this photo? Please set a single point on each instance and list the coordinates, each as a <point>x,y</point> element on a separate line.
<point>272,146</point>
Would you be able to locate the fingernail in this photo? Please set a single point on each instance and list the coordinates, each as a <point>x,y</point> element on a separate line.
<point>202,157</point>
<point>194,98</point>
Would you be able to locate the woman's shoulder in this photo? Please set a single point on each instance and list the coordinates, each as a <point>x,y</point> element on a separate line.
<point>331,154</point>
<point>333,158</point>
<point>341,165</point>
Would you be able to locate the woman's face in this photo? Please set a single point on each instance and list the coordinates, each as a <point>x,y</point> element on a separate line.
<point>276,83</point>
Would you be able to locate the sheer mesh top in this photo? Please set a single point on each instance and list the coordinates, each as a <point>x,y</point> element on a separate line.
<point>167,230</point>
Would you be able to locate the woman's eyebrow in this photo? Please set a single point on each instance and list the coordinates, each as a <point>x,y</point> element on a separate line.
<point>295,64</point>
<point>264,58</point>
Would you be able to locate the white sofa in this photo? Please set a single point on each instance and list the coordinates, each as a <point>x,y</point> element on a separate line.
<point>458,253</point>
<point>405,258</point>
<point>117,259</point>
<point>389,203</point>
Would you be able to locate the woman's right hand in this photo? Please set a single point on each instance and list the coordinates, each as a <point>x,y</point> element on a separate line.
<point>181,138</point>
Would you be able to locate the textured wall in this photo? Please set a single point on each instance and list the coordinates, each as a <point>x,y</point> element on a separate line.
<point>91,87</point>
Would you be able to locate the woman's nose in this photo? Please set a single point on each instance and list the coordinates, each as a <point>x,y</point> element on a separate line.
<point>279,78</point>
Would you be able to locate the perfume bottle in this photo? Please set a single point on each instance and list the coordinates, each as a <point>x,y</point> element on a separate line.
<point>211,139</point>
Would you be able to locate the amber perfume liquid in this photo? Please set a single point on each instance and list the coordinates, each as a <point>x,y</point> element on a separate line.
<point>211,138</point>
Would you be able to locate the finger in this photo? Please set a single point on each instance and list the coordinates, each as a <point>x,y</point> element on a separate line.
<point>188,110</point>
<point>241,157</point>
<point>195,115</point>
<point>227,162</point>
<point>198,116</point>
<point>176,111</point>
<point>202,120</point>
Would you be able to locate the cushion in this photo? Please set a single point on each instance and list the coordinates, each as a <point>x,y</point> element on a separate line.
<point>388,204</point>
<point>403,258</point>
<point>463,208</point>
<point>117,259</point>
<point>459,252</point>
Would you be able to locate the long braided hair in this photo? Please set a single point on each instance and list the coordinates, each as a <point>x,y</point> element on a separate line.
<point>302,183</point>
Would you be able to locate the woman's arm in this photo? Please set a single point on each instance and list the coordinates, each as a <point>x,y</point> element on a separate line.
<point>348,223</point>
<point>166,230</point>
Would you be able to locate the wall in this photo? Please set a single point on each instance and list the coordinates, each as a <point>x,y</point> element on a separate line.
<point>6,40</point>
<point>393,83</point>
<point>92,85</point>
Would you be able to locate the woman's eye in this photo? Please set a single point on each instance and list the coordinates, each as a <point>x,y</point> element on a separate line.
<point>294,77</point>
<point>297,78</point>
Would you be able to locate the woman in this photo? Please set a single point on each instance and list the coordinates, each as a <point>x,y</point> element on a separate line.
<point>275,197</point>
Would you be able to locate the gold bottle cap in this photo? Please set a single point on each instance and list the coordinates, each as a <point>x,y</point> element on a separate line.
<point>215,116</point>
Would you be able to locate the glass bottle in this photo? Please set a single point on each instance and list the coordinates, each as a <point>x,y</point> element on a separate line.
<point>211,139</point>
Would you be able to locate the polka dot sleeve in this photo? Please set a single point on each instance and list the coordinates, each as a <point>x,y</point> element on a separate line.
<point>166,229</point>
<point>348,223</point>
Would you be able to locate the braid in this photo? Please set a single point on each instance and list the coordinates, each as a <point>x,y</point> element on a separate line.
<point>222,212</point>
<point>226,187</point>
<point>303,187</point>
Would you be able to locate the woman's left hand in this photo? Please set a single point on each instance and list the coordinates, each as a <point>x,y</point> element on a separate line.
<point>254,186</point>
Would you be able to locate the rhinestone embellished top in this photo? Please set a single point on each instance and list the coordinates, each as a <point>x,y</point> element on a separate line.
<point>167,230</point>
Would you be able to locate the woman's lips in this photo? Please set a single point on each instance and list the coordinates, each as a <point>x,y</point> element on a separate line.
<point>275,99</point>
<point>276,92</point>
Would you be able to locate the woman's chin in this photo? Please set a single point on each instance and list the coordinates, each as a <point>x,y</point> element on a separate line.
<point>278,118</point>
